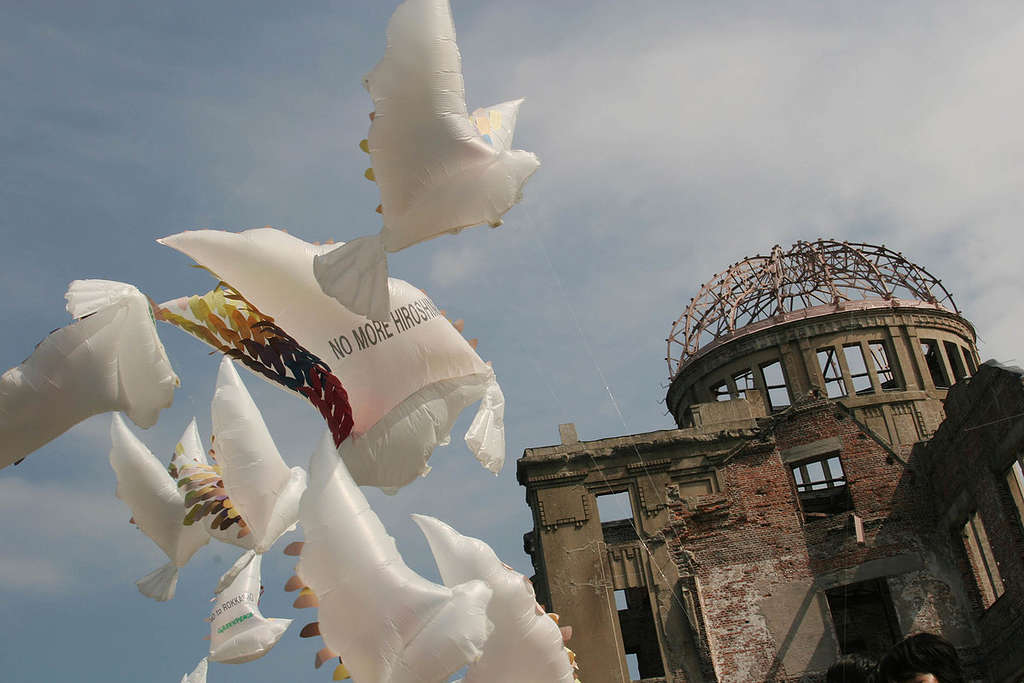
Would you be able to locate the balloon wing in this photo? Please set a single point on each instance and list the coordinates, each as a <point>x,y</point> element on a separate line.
<point>250,497</point>
<point>439,170</point>
<point>386,622</point>
<point>261,487</point>
<point>406,379</point>
<point>527,644</point>
<point>109,359</point>
<point>226,321</point>
<point>238,631</point>
<point>157,508</point>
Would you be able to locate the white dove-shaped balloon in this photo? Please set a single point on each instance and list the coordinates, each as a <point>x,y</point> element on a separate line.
<point>387,623</point>
<point>157,506</point>
<point>527,644</point>
<point>238,631</point>
<point>439,169</point>
<point>407,379</point>
<point>250,498</point>
<point>109,359</point>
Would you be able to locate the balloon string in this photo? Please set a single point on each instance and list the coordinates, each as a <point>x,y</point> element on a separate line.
<point>535,233</point>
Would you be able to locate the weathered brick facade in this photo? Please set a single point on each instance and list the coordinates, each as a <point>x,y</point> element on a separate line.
<point>765,572</point>
<point>741,577</point>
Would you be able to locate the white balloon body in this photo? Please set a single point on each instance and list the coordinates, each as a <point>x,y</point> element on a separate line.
<point>238,631</point>
<point>109,359</point>
<point>407,378</point>
<point>198,674</point>
<point>157,505</point>
<point>387,623</point>
<point>439,170</point>
<point>526,644</point>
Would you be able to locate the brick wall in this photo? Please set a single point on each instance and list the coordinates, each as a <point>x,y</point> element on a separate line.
<point>762,569</point>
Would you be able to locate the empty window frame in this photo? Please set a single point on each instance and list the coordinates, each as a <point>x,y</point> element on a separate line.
<point>720,391</point>
<point>832,372</point>
<point>639,635</point>
<point>1015,482</point>
<point>969,359</point>
<point>775,384</point>
<point>821,486</point>
<point>859,375</point>
<point>888,379</point>
<point>956,361</point>
<point>983,562</point>
<point>615,511</point>
<point>933,361</point>
<point>864,617</point>
<point>744,382</point>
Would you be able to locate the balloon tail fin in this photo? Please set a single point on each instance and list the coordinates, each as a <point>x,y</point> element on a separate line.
<point>356,274</point>
<point>486,435</point>
<point>229,576</point>
<point>159,584</point>
<point>85,297</point>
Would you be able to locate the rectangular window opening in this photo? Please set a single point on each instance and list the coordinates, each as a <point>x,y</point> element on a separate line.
<point>884,370</point>
<point>775,385</point>
<point>956,361</point>
<point>821,486</point>
<point>933,360</point>
<point>983,563</point>
<point>864,617</point>
<point>969,359</point>
<point>744,382</point>
<point>720,391</point>
<point>859,375</point>
<point>639,636</point>
<point>615,511</point>
<point>1015,482</point>
<point>835,386</point>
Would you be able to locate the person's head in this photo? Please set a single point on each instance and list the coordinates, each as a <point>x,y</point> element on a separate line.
<point>921,658</point>
<point>853,668</point>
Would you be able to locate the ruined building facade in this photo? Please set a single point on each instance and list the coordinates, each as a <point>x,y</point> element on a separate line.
<point>826,492</point>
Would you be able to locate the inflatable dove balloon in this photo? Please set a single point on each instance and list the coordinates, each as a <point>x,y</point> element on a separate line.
<point>157,506</point>
<point>109,359</point>
<point>198,674</point>
<point>387,623</point>
<point>527,644</point>
<point>390,391</point>
<point>250,498</point>
<point>438,168</point>
<point>238,631</point>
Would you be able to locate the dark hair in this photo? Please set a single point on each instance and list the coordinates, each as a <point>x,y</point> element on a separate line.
<point>854,668</point>
<point>922,653</point>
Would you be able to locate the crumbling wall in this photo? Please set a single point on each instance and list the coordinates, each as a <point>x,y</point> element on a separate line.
<point>763,571</point>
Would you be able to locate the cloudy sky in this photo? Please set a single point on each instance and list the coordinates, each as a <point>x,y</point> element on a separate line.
<point>675,137</point>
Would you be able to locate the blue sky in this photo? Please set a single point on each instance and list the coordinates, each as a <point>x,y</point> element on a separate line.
<point>675,138</point>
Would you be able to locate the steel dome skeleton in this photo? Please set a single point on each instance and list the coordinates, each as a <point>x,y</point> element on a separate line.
<point>823,275</point>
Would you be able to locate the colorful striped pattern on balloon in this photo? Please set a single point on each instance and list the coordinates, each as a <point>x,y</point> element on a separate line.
<point>225,320</point>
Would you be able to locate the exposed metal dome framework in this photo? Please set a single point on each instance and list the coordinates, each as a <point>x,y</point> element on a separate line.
<point>813,278</point>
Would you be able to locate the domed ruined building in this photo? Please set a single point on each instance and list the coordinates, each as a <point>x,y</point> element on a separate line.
<point>844,473</point>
